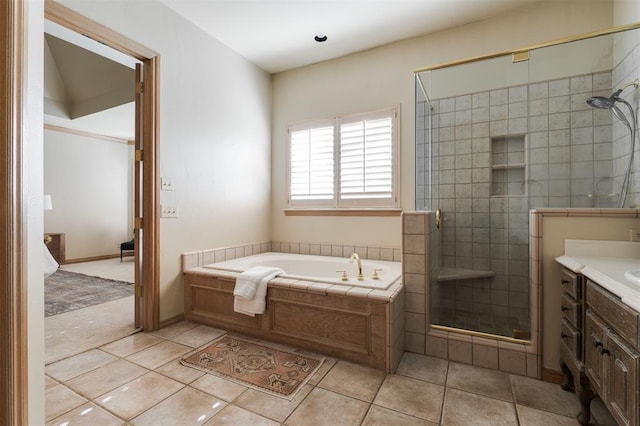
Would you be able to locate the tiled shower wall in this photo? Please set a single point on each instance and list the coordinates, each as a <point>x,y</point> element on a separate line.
<point>569,162</point>
<point>569,144</point>
<point>625,72</point>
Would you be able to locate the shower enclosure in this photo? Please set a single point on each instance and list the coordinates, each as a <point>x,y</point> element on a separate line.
<point>508,133</point>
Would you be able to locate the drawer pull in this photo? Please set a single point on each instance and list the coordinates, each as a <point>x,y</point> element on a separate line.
<point>602,350</point>
<point>563,336</point>
<point>565,282</point>
<point>564,308</point>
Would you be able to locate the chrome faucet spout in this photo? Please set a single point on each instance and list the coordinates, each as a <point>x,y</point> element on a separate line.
<point>357,258</point>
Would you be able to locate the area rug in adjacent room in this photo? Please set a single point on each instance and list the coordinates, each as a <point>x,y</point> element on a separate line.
<point>67,291</point>
<point>256,365</point>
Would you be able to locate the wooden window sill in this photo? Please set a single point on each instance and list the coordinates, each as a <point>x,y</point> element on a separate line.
<point>342,212</point>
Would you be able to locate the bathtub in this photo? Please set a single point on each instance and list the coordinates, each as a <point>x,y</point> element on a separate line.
<point>319,268</point>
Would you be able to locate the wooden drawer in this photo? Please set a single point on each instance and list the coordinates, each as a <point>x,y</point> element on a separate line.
<point>623,387</point>
<point>570,338</point>
<point>571,283</point>
<point>618,315</point>
<point>595,332</point>
<point>571,311</point>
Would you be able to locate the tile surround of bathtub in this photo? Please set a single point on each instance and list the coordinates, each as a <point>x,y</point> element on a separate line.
<point>204,257</point>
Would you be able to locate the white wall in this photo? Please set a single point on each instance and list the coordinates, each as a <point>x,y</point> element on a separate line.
<point>626,12</point>
<point>214,136</point>
<point>90,180</point>
<point>32,163</point>
<point>384,76</point>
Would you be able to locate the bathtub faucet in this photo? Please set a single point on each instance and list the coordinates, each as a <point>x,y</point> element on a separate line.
<point>357,258</point>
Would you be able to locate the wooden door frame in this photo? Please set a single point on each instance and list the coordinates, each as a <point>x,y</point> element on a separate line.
<point>13,283</point>
<point>14,368</point>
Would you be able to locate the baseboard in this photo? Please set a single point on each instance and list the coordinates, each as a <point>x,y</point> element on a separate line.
<point>91,259</point>
<point>552,376</point>
<point>173,320</point>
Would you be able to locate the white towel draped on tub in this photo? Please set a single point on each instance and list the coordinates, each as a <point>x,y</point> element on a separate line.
<point>251,289</point>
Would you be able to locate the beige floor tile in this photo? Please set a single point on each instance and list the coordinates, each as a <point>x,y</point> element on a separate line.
<point>106,378</point>
<point>157,355</point>
<point>236,416</point>
<point>379,416</point>
<point>411,396</point>
<point>532,417</point>
<point>137,396</point>
<point>131,344</point>
<point>174,329</point>
<point>179,372</point>
<point>78,364</point>
<point>322,407</point>
<point>60,399</point>
<point>186,407</point>
<point>353,380</point>
<point>198,336</point>
<point>491,383</point>
<point>423,367</point>
<point>49,382</point>
<point>464,408</point>
<point>219,387</point>
<point>77,331</point>
<point>270,406</point>
<point>326,366</point>
<point>544,396</point>
<point>87,415</point>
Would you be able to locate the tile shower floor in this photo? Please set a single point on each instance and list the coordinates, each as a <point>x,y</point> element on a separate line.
<point>138,380</point>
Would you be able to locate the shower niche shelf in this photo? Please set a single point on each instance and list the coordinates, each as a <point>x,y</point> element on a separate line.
<point>508,166</point>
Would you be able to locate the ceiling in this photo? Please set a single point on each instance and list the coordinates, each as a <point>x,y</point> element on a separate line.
<point>87,86</point>
<point>278,35</point>
<point>90,82</point>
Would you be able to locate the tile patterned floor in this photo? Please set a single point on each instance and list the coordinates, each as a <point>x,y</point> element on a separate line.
<point>138,380</point>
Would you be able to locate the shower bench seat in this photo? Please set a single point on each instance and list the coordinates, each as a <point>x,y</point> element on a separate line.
<point>454,274</point>
<point>355,324</point>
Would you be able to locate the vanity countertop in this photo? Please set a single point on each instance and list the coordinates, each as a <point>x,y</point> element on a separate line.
<point>605,262</point>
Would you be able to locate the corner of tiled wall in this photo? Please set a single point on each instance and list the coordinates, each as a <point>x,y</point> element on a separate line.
<point>395,329</point>
<point>415,266</point>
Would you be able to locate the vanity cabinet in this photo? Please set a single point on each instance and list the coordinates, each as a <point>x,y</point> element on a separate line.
<point>571,341</point>
<point>612,357</point>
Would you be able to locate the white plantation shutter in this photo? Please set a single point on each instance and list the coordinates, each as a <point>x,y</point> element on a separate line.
<point>366,159</point>
<point>346,162</point>
<point>312,164</point>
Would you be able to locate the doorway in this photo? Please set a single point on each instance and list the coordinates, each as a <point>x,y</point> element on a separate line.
<point>89,132</point>
<point>145,190</point>
<point>18,375</point>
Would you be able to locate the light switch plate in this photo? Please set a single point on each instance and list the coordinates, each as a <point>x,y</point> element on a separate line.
<point>166,184</point>
<point>168,211</point>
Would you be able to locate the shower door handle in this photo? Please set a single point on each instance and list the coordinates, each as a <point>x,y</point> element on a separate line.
<point>438,218</point>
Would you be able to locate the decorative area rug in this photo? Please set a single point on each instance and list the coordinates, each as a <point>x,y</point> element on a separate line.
<point>256,365</point>
<point>66,291</point>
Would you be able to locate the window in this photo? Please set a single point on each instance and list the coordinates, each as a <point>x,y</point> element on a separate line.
<point>345,162</point>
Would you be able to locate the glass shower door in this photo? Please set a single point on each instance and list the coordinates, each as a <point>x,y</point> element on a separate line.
<point>473,125</point>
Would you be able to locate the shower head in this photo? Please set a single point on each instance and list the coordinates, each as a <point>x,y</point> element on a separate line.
<point>601,102</point>
<point>604,103</point>
<point>609,103</point>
